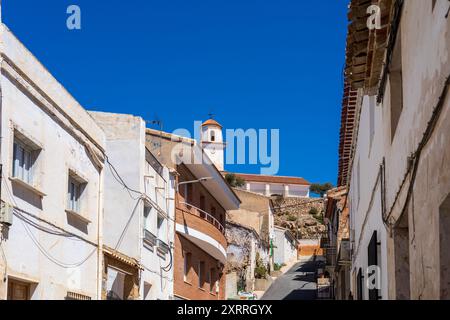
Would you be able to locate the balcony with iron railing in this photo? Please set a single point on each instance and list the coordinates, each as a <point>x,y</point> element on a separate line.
<point>202,228</point>
<point>191,209</point>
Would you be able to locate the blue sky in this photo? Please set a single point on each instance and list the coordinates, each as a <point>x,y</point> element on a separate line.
<point>253,63</point>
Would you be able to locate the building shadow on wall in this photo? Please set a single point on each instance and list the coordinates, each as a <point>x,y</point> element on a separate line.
<point>27,195</point>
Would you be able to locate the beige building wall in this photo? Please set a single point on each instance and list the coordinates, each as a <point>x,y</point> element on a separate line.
<point>254,212</point>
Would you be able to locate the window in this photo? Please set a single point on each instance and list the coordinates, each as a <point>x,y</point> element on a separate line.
<point>150,239</point>
<point>115,286</point>
<point>208,277</point>
<point>147,217</point>
<point>202,206</point>
<point>213,136</point>
<point>396,84</point>
<point>359,288</point>
<point>74,192</point>
<point>161,224</point>
<point>188,193</point>
<point>213,213</point>
<point>76,186</point>
<point>202,203</point>
<point>187,265</point>
<point>22,162</point>
<point>372,260</point>
<point>212,282</point>
<point>201,274</point>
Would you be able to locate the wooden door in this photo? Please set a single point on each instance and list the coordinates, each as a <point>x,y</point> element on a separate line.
<point>18,290</point>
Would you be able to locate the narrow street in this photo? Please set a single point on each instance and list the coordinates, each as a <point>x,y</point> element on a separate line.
<point>298,283</point>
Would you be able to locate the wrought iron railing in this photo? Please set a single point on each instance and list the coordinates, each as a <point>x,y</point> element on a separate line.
<point>191,209</point>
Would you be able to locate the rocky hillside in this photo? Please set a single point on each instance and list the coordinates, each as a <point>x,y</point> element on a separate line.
<point>301,213</point>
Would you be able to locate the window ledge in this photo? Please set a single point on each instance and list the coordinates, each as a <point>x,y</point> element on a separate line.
<point>78,215</point>
<point>27,186</point>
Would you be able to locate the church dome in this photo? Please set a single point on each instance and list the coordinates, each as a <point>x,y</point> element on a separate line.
<point>211,122</point>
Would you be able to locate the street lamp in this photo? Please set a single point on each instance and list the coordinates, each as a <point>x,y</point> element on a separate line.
<point>193,181</point>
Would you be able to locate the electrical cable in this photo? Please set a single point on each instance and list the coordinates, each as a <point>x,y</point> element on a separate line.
<point>144,197</point>
<point>158,273</point>
<point>119,179</point>
<point>41,248</point>
<point>19,214</point>
<point>170,265</point>
<point>415,158</point>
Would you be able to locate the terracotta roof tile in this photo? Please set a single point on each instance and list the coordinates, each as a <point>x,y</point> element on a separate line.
<point>272,179</point>
<point>211,122</point>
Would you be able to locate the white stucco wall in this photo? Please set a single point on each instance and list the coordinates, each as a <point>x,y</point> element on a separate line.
<point>285,249</point>
<point>53,264</point>
<point>124,212</point>
<point>161,189</point>
<point>425,44</point>
<point>287,190</point>
<point>365,193</point>
<point>425,33</point>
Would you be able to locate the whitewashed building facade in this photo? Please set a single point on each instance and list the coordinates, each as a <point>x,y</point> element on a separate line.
<point>395,150</point>
<point>285,246</point>
<point>139,214</point>
<point>52,160</point>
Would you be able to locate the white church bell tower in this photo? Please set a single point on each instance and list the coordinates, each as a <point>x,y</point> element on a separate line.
<point>212,142</point>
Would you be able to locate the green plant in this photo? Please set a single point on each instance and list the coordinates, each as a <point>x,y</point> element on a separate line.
<point>319,217</point>
<point>277,267</point>
<point>234,181</point>
<point>313,211</point>
<point>260,272</point>
<point>292,218</point>
<point>320,189</point>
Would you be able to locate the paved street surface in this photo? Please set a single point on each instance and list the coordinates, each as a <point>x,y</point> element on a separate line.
<point>298,283</point>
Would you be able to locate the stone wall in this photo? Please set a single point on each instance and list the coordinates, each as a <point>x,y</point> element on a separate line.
<point>295,214</point>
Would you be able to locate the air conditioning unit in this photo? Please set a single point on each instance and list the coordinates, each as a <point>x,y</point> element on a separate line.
<point>6,214</point>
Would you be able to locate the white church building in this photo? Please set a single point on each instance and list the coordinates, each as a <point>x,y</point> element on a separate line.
<point>214,146</point>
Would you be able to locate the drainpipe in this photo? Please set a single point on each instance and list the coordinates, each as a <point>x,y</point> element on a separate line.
<point>100,235</point>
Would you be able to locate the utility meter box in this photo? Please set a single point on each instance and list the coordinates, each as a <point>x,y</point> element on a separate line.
<point>6,214</point>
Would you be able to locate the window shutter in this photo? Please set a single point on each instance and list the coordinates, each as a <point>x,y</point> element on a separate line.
<point>372,254</point>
